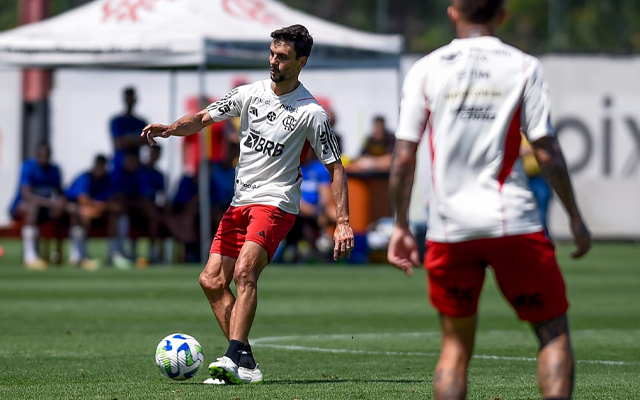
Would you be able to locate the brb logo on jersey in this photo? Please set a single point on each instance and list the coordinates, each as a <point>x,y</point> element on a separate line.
<point>262,145</point>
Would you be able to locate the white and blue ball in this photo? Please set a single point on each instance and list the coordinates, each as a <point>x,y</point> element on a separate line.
<point>179,356</point>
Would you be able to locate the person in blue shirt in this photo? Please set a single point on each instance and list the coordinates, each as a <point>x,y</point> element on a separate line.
<point>131,190</point>
<point>125,130</point>
<point>154,178</point>
<point>223,176</point>
<point>39,199</point>
<point>88,198</point>
<point>182,217</point>
<point>312,220</point>
<point>154,195</point>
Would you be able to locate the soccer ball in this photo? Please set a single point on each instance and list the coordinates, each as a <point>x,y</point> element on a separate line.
<point>179,356</point>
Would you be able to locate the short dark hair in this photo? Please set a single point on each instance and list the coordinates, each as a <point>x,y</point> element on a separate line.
<point>100,159</point>
<point>299,35</point>
<point>480,11</point>
<point>130,90</point>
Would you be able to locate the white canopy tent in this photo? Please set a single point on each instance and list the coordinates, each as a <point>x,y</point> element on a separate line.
<point>178,33</point>
<point>174,34</point>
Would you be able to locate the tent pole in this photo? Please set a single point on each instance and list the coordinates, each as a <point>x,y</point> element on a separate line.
<point>203,174</point>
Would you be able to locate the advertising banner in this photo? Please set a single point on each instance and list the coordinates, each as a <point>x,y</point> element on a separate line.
<point>596,113</point>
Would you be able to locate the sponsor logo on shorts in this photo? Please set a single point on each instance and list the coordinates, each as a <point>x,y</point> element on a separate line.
<point>261,233</point>
<point>462,294</point>
<point>529,300</point>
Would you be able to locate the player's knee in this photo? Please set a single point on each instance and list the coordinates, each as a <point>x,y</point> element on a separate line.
<point>212,283</point>
<point>244,275</point>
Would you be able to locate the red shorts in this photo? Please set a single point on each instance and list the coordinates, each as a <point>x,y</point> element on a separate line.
<point>265,225</point>
<point>525,268</point>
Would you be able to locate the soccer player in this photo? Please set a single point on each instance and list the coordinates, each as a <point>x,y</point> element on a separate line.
<point>39,198</point>
<point>279,121</point>
<point>473,96</point>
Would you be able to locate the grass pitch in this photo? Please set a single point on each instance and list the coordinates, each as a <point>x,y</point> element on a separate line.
<point>322,332</point>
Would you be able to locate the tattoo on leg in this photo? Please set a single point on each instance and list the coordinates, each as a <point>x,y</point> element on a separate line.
<point>551,329</point>
<point>555,358</point>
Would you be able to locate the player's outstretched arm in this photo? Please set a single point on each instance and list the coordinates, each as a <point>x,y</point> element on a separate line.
<point>403,249</point>
<point>554,168</point>
<point>343,235</point>
<point>185,126</point>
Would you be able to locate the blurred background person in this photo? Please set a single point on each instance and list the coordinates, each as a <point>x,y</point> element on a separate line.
<point>39,198</point>
<point>537,182</point>
<point>311,223</point>
<point>183,215</point>
<point>155,193</point>
<point>223,182</point>
<point>136,209</point>
<point>378,149</point>
<point>89,206</point>
<point>125,130</point>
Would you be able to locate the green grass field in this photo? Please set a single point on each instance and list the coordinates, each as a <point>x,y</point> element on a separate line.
<point>322,332</point>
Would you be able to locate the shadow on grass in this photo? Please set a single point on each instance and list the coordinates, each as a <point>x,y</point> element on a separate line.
<point>316,381</point>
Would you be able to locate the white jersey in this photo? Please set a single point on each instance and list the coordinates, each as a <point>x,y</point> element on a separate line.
<point>474,96</point>
<point>275,135</point>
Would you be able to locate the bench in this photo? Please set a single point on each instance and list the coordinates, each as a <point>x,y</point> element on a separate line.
<point>53,236</point>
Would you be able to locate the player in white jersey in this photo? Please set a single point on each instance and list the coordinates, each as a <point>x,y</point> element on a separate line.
<point>471,99</point>
<point>279,121</point>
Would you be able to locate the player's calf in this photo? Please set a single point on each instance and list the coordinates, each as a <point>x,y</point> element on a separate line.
<point>555,359</point>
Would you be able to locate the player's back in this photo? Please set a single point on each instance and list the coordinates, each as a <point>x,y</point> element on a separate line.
<point>475,96</point>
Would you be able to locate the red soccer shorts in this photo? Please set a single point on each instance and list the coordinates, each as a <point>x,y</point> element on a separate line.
<point>525,268</point>
<point>265,225</point>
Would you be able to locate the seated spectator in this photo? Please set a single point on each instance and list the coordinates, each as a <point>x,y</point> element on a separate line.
<point>378,150</point>
<point>154,191</point>
<point>223,175</point>
<point>39,199</point>
<point>312,220</point>
<point>182,216</point>
<point>129,188</point>
<point>89,205</point>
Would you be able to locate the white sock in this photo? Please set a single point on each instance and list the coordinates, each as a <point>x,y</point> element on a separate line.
<point>29,240</point>
<point>113,247</point>
<point>78,250</point>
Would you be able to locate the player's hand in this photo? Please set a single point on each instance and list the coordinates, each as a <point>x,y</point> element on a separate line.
<point>581,237</point>
<point>155,130</point>
<point>344,241</point>
<point>402,252</point>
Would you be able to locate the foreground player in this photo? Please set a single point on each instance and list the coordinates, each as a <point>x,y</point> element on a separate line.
<point>280,119</point>
<point>475,95</point>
